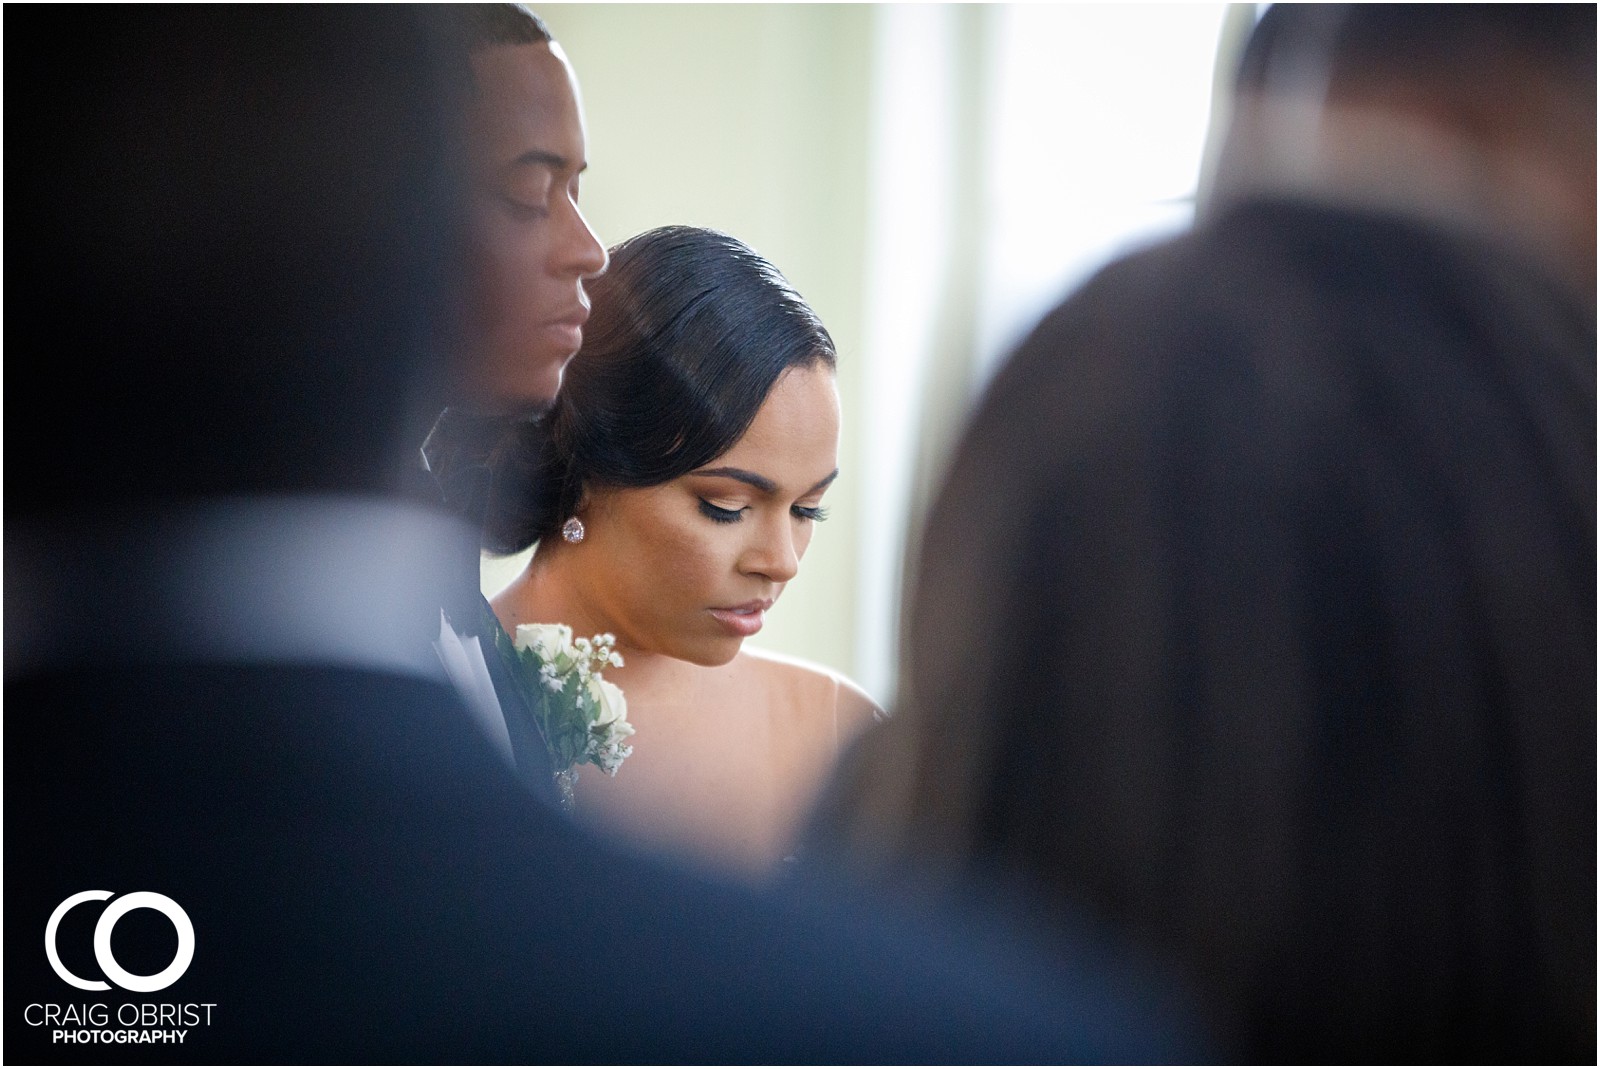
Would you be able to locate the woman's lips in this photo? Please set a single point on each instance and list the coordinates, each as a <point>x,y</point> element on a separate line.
<point>742,620</point>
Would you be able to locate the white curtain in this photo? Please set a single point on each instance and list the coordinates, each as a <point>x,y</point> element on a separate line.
<point>1014,150</point>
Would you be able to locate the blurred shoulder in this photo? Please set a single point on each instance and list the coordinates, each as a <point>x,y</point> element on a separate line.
<point>815,688</point>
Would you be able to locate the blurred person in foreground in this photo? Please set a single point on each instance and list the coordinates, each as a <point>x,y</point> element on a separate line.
<point>1256,617</point>
<point>246,819</point>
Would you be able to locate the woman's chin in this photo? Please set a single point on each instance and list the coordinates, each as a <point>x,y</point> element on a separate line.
<point>713,654</point>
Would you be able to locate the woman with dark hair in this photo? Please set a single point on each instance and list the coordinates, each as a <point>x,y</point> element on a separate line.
<point>671,494</point>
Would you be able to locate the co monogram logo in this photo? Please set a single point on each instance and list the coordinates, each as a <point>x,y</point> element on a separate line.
<point>102,941</point>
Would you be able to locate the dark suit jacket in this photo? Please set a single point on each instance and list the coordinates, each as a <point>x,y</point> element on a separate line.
<point>368,882</point>
<point>529,752</point>
<point>455,456</point>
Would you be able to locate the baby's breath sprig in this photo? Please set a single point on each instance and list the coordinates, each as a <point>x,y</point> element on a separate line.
<point>582,716</point>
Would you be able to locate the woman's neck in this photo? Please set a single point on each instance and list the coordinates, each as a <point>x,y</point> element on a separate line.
<point>548,591</point>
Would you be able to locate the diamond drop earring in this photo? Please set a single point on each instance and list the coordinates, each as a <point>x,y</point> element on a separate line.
<point>572,530</point>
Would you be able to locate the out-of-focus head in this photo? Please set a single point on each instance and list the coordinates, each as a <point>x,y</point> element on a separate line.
<point>229,252</point>
<point>695,438</point>
<point>531,248</point>
<point>1484,113</point>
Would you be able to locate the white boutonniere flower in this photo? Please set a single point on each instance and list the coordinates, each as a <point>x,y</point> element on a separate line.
<point>583,716</point>
<point>610,725</point>
<point>552,644</point>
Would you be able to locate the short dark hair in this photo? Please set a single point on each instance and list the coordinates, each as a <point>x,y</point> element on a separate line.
<point>483,25</point>
<point>1411,40</point>
<point>690,331</point>
<point>1416,43</point>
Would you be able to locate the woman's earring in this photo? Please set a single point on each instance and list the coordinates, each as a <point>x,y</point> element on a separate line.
<point>572,530</point>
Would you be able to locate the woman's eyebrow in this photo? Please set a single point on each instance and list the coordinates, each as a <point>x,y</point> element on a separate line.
<point>761,482</point>
<point>823,485</point>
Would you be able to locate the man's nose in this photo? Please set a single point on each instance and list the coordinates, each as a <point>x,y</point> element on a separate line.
<point>585,253</point>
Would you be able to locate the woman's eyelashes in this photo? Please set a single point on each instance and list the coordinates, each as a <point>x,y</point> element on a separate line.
<point>717,514</point>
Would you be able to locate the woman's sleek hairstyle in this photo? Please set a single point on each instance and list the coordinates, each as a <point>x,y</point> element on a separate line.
<point>690,330</point>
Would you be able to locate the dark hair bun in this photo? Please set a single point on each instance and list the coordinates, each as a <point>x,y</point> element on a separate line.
<point>690,328</point>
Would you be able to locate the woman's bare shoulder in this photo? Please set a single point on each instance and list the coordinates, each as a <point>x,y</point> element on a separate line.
<point>819,686</point>
<point>782,666</point>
